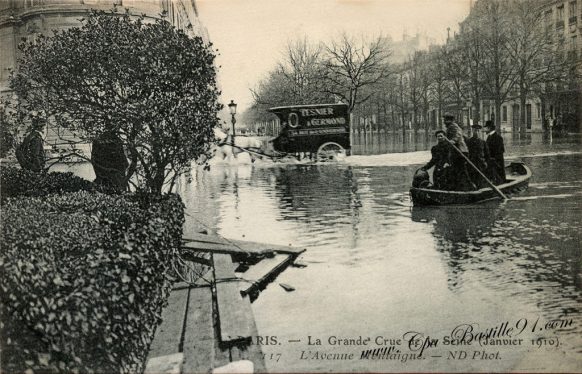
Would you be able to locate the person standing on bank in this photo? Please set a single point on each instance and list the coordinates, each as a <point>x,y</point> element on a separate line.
<point>496,150</point>
<point>30,153</point>
<point>109,161</point>
<point>478,154</point>
<point>440,161</point>
<point>458,174</point>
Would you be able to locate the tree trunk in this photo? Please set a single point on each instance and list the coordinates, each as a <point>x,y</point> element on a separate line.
<point>477,111</point>
<point>522,115</point>
<point>498,114</point>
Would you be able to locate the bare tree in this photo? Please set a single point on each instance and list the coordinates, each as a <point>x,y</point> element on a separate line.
<point>438,85</point>
<point>302,69</point>
<point>351,65</point>
<point>472,56</point>
<point>499,71</point>
<point>455,86</point>
<point>297,79</point>
<point>531,51</point>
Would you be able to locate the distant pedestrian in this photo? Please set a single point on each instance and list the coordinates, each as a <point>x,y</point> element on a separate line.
<point>496,150</point>
<point>30,153</point>
<point>478,154</point>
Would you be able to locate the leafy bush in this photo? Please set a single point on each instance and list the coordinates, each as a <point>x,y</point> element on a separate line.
<point>20,182</point>
<point>83,279</point>
<point>164,116</point>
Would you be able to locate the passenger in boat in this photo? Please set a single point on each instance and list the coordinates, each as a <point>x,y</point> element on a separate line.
<point>496,150</point>
<point>478,154</point>
<point>440,161</point>
<point>458,175</point>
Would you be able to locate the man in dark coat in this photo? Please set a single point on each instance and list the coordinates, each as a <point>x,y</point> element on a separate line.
<point>30,153</point>
<point>478,154</point>
<point>440,161</point>
<point>109,161</point>
<point>496,150</point>
<point>458,174</point>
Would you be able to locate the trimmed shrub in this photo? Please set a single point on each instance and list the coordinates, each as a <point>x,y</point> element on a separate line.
<point>20,182</point>
<point>83,279</point>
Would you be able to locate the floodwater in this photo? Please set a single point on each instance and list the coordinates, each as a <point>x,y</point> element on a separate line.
<point>378,268</point>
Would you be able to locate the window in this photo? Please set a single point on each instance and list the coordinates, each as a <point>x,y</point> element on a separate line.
<point>561,12</point>
<point>573,43</point>
<point>572,9</point>
<point>504,113</point>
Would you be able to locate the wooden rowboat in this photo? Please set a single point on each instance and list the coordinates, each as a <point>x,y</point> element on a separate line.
<point>517,176</point>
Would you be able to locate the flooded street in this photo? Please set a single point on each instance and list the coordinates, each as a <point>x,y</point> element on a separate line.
<point>378,268</point>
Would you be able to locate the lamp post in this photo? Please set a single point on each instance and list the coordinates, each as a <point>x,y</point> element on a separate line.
<point>232,108</point>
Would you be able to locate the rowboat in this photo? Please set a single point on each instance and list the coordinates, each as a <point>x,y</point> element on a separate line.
<point>517,180</point>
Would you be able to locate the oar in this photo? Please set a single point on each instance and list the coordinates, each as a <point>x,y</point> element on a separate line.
<point>494,187</point>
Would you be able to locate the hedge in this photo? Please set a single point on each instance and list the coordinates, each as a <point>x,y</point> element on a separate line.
<point>20,182</point>
<point>83,279</point>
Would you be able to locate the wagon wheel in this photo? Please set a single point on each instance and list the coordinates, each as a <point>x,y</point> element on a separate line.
<point>330,151</point>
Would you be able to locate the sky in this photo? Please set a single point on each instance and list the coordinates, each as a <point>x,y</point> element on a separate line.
<point>251,35</point>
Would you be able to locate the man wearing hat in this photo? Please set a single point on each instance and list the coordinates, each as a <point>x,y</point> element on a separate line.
<point>455,133</point>
<point>478,154</point>
<point>496,149</point>
<point>459,176</point>
<point>30,153</point>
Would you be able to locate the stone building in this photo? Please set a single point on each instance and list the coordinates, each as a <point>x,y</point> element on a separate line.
<point>25,18</point>
<point>563,101</point>
<point>560,100</point>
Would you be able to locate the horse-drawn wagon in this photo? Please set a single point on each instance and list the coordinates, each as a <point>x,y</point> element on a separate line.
<point>321,131</point>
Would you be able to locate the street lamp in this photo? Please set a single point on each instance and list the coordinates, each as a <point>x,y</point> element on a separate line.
<point>232,108</point>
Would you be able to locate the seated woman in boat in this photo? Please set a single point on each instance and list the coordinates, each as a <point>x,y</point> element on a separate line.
<point>440,162</point>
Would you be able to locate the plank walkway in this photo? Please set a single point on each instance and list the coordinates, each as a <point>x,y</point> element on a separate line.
<point>234,310</point>
<point>191,337</point>
<point>210,323</point>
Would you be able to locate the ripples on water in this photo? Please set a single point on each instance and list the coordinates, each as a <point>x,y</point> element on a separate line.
<point>379,266</point>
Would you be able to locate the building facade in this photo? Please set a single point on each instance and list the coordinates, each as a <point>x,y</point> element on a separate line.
<point>26,18</point>
<point>562,103</point>
<point>559,103</point>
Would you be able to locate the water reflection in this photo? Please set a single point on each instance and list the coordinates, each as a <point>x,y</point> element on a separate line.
<point>458,232</point>
<point>380,264</point>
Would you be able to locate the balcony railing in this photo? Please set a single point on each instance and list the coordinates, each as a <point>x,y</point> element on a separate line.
<point>560,24</point>
<point>572,20</point>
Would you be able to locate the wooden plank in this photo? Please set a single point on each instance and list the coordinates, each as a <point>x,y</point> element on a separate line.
<point>199,333</point>
<point>171,364</point>
<point>213,243</point>
<point>265,247</point>
<point>241,247</point>
<point>251,352</point>
<point>169,333</point>
<point>212,247</point>
<point>258,275</point>
<point>234,311</point>
<point>206,238</point>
